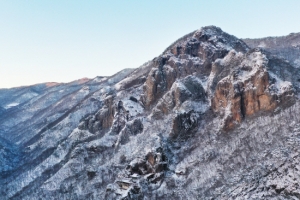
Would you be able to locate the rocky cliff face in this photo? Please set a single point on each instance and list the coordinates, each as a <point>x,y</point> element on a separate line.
<point>248,87</point>
<point>210,118</point>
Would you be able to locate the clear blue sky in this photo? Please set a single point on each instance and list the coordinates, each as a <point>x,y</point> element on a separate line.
<point>60,41</point>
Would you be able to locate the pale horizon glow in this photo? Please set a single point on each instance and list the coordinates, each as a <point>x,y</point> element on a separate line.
<point>62,41</point>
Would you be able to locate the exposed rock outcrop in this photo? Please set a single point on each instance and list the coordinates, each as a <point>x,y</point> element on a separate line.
<point>194,55</point>
<point>131,128</point>
<point>184,123</point>
<point>103,119</point>
<point>189,88</point>
<point>247,87</point>
<point>140,171</point>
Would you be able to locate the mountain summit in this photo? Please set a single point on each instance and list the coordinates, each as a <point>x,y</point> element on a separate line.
<point>212,117</point>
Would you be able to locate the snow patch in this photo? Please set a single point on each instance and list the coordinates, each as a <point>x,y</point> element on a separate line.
<point>29,95</point>
<point>279,84</point>
<point>134,108</point>
<point>197,106</point>
<point>262,45</point>
<point>100,79</point>
<point>8,106</point>
<point>297,63</point>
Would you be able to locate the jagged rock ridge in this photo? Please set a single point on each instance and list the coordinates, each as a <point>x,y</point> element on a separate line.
<point>210,118</point>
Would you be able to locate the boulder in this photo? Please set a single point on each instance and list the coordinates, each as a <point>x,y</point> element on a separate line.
<point>183,124</point>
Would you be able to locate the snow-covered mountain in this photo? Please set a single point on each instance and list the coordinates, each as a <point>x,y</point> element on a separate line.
<point>286,47</point>
<point>212,117</point>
